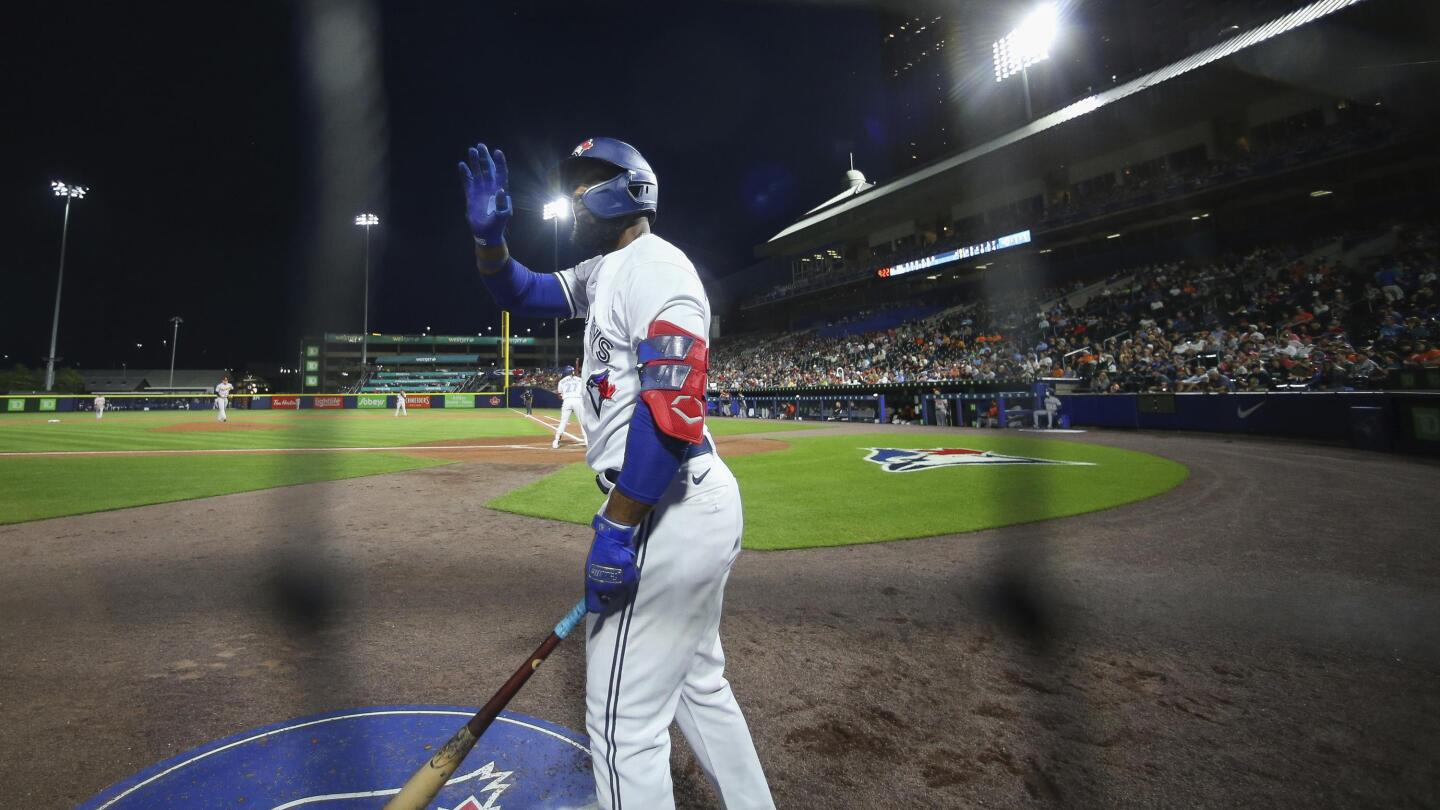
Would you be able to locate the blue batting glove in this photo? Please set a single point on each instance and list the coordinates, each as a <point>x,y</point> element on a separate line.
<point>610,573</point>
<point>487,202</point>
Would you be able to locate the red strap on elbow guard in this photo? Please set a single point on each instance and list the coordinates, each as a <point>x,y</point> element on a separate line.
<point>673,363</point>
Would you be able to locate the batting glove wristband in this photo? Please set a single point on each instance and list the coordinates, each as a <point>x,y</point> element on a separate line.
<point>610,573</point>
<point>487,201</point>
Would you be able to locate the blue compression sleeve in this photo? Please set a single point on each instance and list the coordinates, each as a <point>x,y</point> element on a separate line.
<point>527,293</point>
<point>651,458</point>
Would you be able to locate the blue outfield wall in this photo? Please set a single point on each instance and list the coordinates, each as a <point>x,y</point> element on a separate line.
<point>1403,421</point>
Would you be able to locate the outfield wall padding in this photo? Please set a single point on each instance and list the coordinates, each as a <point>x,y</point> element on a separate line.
<point>1403,421</point>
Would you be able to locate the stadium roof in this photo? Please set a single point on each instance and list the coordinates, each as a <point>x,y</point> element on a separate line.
<point>154,379</point>
<point>1084,106</point>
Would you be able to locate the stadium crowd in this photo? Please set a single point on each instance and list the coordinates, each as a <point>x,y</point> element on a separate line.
<point>1265,321</point>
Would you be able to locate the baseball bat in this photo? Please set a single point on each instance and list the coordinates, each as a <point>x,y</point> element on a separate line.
<point>425,783</point>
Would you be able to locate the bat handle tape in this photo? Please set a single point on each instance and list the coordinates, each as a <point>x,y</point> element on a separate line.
<point>571,620</point>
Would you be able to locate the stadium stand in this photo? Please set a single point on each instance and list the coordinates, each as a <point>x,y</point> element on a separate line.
<point>1278,318</point>
<point>1300,143</point>
<point>418,381</point>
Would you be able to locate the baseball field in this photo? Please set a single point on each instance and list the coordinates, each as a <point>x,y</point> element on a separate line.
<point>1060,620</point>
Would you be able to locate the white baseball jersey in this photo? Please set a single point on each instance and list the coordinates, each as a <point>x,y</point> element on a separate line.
<point>636,684</point>
<point>223,390</point>
<point>619,295</point>
<point>571,387</point>
<point>99,402</point>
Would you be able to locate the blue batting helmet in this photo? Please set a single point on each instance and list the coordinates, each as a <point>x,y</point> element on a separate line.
<point>569,369</point>
<point>632,190</point>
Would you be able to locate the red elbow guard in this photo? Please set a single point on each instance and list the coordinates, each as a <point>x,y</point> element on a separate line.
<point>673,363</point>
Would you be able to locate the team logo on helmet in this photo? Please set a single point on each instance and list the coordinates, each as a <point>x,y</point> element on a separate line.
<point>899,460</point>
<point>583,148</point>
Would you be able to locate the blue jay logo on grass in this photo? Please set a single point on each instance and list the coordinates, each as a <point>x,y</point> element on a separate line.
<point>899,460</point>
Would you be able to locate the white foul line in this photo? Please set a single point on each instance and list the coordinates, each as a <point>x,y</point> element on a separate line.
<point>550,426</point>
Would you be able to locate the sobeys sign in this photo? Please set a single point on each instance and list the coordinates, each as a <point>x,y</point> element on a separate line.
<point>371,401</point>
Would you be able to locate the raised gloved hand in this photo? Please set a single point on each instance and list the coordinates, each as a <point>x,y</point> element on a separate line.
<point>610,573</point>
<point>487,201</point>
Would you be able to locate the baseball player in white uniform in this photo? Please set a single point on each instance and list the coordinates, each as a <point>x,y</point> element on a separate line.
<point>669,531</point>
<point>99,407</point>
<point>222,398</point>
<point>400,404</point>
<point>572,391</point>
<point>1051,405</point>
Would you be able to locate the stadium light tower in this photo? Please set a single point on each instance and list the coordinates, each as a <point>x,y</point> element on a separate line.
<point>174,344</point>
<point>556,210</point>
<point>70,193</point>
<point>1027,45</point>
<point>366,221</point>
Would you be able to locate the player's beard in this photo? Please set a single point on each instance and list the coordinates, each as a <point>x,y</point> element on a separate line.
<point>593,236</point>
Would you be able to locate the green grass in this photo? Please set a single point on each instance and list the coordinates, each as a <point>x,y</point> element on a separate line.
<point>132,430</point>
<point>54,486</point>
<point>138,430</point>
<point>36,488</point>
<point>821,491</point>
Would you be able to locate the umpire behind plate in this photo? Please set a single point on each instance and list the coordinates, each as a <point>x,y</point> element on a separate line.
<point>669,532</point>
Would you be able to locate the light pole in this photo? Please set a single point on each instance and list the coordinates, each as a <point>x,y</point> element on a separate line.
<point>365,221</point>
<point>556,210</point>
<point>174,344</point>
<point>1028,44</point>
<point>70,193</point>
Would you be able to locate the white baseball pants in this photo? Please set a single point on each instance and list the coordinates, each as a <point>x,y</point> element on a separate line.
<point>220,409</point>
<point>659,660</point>
<point>568,408</point>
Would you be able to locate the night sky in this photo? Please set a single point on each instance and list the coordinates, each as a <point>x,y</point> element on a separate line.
<point>197,130</point>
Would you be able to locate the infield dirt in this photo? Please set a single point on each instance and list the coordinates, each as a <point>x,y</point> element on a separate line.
<point>1261,636</point>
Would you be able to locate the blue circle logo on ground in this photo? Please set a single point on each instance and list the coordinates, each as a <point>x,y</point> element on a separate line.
<point>356,759</point>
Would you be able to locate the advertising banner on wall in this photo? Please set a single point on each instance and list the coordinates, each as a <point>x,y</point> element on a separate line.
<point>425,340</point>
<point>417,400</point>
<point>292,403</point>
<point>329,402</point>
<point>47,404</point>
<point>372,401</point>
<point>14,404</point>
<point>459,400</point>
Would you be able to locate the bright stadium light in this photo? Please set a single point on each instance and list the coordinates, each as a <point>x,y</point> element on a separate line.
<point>556,210</point>
<point>66,190</point>
<point>366,221</point>
<point>71,194</point>
<point>1028,44</point>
